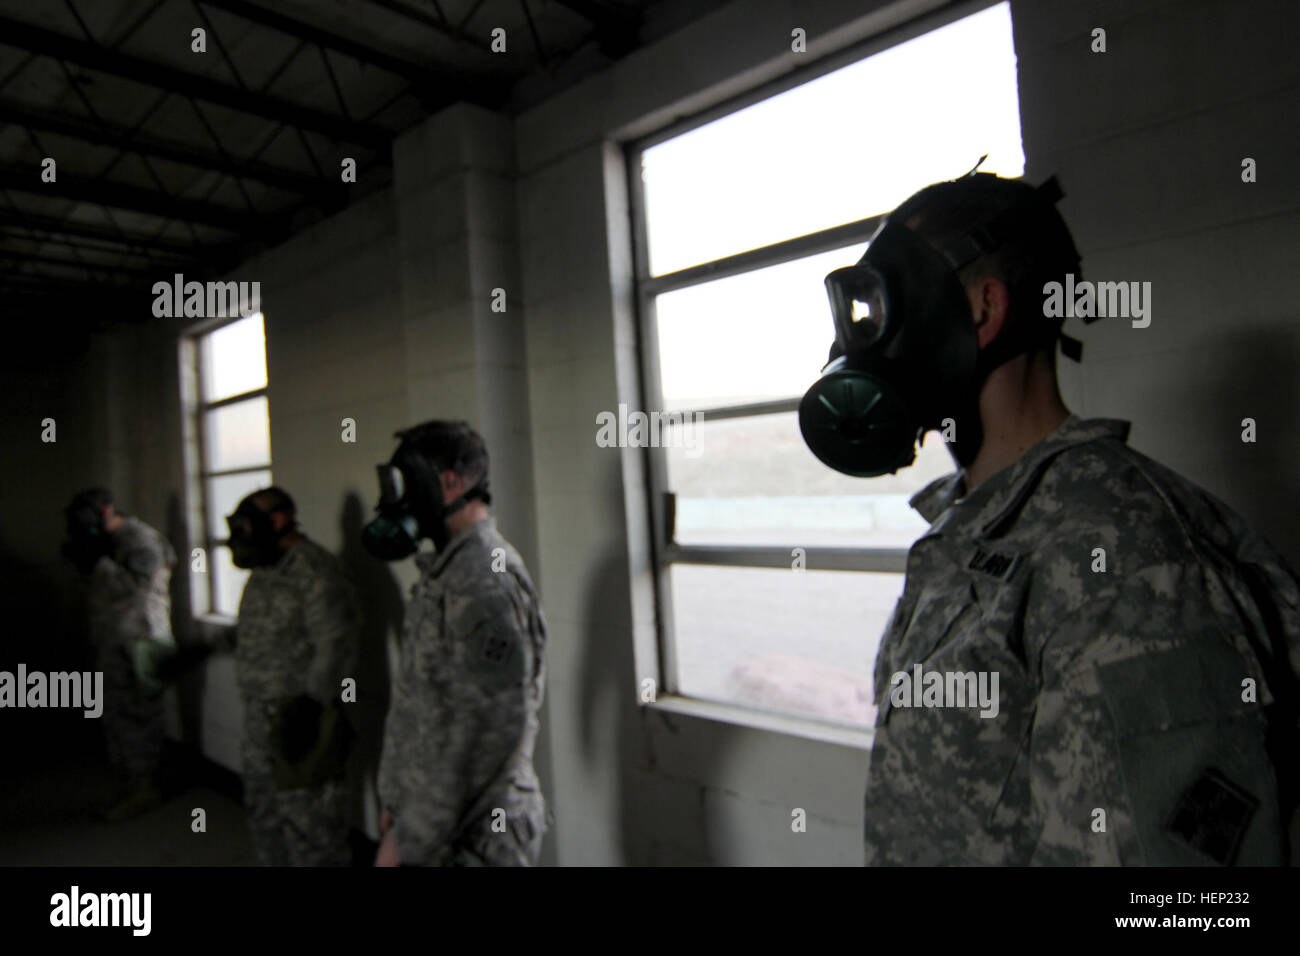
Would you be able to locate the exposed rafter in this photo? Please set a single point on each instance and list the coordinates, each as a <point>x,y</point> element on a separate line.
<point>483,90</point>
<point>19,255</point>
<point>35,39</point>
<point>119,196</point>
<point>122,137</point>
<point>616,28</point>
<point>165,172</point>
<point>85,230</point>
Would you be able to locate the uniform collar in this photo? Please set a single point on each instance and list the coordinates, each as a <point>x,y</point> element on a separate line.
<point>286,561</point>
<point>432,562</point>
<point>1003,493</point>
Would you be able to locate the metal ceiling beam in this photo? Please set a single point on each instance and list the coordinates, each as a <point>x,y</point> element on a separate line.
<point>19,255</point>
<point>24,36</point>
<point>156,258</point>
<point>47,285</point>
<point>598,13</point>
<point>86,230</point>
<point>616,29</point>
<point>418,16</point>
<point>37,285</point>
<point>94,295</point>
<point>77,243</point>
<point>83,307</point>
<point>428,80</point>
<point>433,23</point>
<point>122,137</point>
<point>119,196</point>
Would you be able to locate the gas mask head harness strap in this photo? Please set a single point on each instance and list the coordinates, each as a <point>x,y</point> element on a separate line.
<point>87,538</point>
<point>906,357</point>
<point>411,501</point>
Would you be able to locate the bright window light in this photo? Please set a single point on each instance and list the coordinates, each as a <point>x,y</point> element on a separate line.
<point>851,144</point>
<point>235,440</point>
<point>742,349</point>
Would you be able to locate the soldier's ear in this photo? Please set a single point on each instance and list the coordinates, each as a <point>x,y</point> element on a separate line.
<point>451,484</point>
<point>279,520</point>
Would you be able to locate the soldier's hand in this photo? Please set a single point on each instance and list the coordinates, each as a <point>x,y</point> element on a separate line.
<point>314,744</point>
<point>387,855</point>
<point>148,658</point>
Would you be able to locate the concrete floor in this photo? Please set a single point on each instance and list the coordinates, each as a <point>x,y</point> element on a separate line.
<point>47,817</point>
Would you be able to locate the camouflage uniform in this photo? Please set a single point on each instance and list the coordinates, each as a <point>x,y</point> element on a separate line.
<point>457,773</point>
<point>299,633</point>
<point>129,601</point>
<point>1120,690</point>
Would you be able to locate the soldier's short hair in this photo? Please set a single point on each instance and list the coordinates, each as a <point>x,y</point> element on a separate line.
<point>96,499</point>
<point>1042,251</point>
<point>274,499</point>
<point>453,446</point>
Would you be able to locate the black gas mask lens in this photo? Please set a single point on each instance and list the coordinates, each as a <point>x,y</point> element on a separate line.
<point>395,531</point>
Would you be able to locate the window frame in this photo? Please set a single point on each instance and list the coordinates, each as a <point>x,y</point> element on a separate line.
<point>197,455</point>
<point>665,552</point>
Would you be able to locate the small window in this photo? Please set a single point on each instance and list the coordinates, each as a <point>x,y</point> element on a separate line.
<point>233,433</point>
<point>739,219</point>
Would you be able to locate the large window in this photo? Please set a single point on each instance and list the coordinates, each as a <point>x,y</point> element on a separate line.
<point>776,574</point>
<point>232,429</point>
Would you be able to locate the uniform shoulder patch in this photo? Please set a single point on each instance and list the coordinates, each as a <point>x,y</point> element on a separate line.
<point>1212,816</point>
<point>495,653</point>
<point>495,650</point>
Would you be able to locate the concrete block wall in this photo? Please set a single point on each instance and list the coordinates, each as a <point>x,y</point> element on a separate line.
<point>456,225</point>
<point>1148,139</point>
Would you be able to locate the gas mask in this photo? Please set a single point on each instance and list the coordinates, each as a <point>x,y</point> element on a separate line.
<point>254,542</point>
<point>906,356</point>
<point>87,540</point>
<point>411,507</point>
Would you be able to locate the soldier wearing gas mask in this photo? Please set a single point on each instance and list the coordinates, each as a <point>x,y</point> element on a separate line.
<point>298,639</point>
<point>127,565</point>
<point>1137,628</point>
<point>456,778</point>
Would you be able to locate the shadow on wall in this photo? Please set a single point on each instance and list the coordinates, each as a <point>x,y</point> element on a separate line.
<point>382,609</point>
<point>1255,377</point>
<point>655,826</point>
<point>176,533</point>
<point>45,629</point>
<point>44,612</point>
<point>190,683</point>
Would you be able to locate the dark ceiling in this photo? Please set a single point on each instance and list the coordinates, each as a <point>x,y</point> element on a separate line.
<point>170,160</point>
